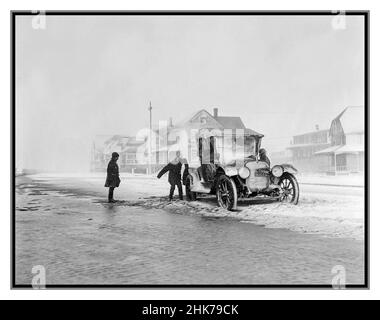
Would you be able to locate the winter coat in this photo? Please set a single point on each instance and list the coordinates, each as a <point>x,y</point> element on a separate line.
<point>265,159</point>
<point>113,179</point>
<point>174,172</point>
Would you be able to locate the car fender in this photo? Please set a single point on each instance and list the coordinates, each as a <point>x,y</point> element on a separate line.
<point>231,171</point>
<point>289,168</point>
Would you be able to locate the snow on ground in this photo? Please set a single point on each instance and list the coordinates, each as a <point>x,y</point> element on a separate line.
<point>326,210</point>
<point>356,180</point>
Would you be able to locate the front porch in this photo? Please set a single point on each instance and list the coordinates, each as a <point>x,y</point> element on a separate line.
<point>343,160</point>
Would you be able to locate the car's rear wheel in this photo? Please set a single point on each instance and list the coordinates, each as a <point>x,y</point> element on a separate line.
<point>190,195</point>
<point>289,188</point>
<point>226,193</point>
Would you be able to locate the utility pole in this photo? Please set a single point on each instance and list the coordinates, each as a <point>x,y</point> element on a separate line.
<point>150,138</point>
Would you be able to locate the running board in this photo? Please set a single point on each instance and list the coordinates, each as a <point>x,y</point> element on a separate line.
<point>201,188</point>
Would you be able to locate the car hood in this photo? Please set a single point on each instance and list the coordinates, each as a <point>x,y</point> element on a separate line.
<point>238,162</point>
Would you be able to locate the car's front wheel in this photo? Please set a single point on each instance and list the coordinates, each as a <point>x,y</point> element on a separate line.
<point>290,191</point>
<point>226,193</point>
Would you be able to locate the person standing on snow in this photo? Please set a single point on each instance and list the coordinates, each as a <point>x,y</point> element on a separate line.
<point>174,167</point>
<point>112,180</point>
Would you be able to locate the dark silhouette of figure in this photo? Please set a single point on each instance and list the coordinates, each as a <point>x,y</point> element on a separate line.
<point>113,179</point>
<point>263,156</point>
<point>174,167</point>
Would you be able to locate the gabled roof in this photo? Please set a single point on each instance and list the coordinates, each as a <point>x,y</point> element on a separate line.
<point>252,132</point>
<point>211,122</point>
<point>114,143</point>
<point>223,122</point>
<point>351,119</point>
<point>319,131</point>
<point>231,122</point>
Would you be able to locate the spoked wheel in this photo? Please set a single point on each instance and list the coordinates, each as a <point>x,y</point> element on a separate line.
<point>190,195</point>
<point>226,193</point>
<point>290,189</point>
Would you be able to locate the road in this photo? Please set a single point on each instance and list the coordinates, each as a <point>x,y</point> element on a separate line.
<point>81,239</point>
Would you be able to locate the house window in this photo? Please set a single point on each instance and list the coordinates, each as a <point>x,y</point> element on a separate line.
<point>341,160</point>
<point>130,158</point>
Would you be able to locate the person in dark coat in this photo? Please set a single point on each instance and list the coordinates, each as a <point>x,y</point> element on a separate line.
<point>263,156</point>
<point>174,167</point>
<point>113,180</point>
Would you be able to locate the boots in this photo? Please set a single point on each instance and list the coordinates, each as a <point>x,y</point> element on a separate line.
<point>110,195</point>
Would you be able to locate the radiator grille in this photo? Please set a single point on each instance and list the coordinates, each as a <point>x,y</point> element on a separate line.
<point>259,178</point>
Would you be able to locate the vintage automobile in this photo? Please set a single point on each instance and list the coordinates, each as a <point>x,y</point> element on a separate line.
<point>246,176</point>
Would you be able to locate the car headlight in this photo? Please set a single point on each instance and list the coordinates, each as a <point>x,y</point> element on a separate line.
<point>277,171</point>
<point>244,172</point>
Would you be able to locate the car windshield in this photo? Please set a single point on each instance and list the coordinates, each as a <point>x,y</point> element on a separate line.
<point>249,146</point>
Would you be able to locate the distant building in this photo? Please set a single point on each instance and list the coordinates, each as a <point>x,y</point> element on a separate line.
<point>303,148</point>
<point>134,155</point>
<point>279,157</point>
<point>338,150</point>
<point>346,151</point>
<point>104,145</point>
<point>203,120</point>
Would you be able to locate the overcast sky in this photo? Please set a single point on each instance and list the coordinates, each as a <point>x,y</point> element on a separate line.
<point>88,75</point>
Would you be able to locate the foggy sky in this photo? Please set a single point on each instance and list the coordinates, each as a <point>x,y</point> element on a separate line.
<point>88,75</point>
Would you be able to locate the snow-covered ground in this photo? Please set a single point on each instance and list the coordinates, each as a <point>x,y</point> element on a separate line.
<point>324,208</point>
<point>356,180</point>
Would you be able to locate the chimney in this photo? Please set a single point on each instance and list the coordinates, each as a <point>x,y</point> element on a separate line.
<point>170,122</point>
<point>215,112</point>
<point>316,127</point>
